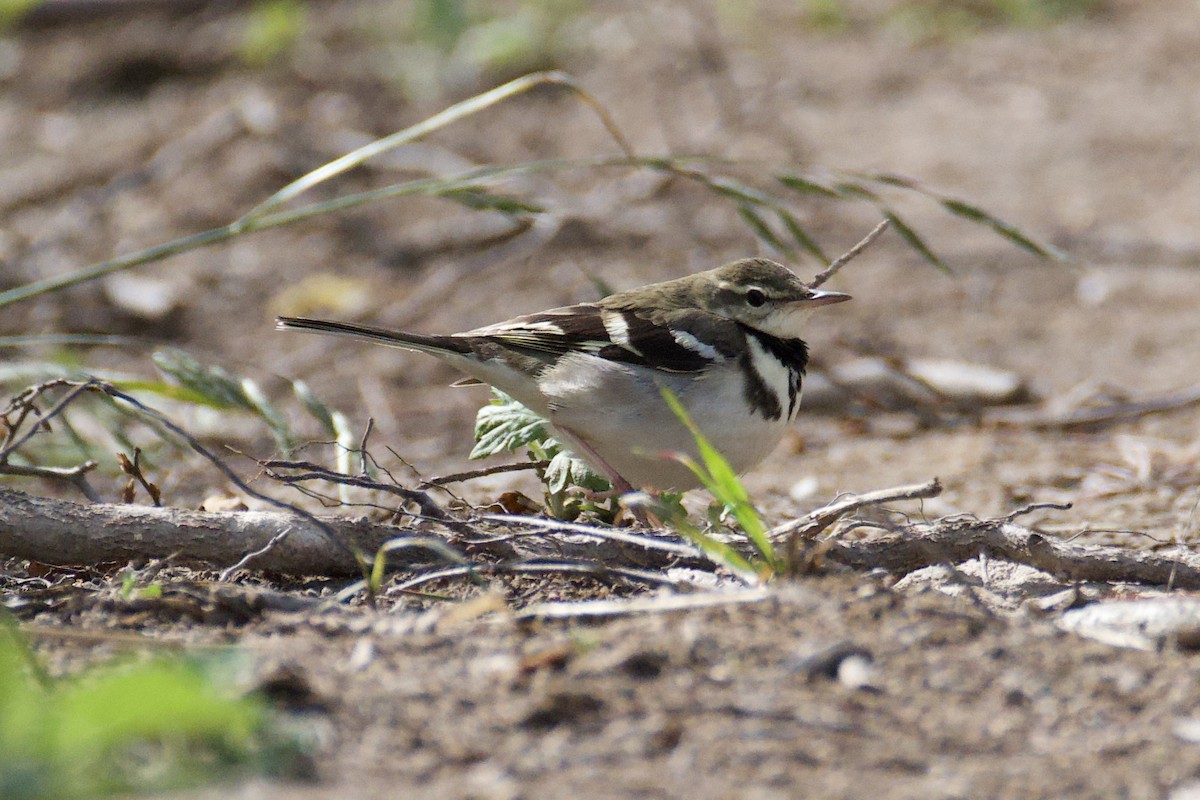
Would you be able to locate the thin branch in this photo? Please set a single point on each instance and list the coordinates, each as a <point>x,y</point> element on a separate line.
<point>275,541</point>
<point>849,255</point>
<point>76,476</point>
<point>816,521</point>
<point>429,509</point>
<point>134,470</point>
<point>1029,509</point>
<point>470,475</point>
<point>13,445</point>
<point>165,421</point>
<point>604,534</point>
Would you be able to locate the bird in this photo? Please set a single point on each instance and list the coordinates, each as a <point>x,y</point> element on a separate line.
<point>725,341</point>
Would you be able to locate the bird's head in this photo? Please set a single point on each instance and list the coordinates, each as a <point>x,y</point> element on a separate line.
<point>760,294</point>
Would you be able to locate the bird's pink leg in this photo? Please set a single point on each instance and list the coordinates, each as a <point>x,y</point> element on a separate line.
<point>620,486</point>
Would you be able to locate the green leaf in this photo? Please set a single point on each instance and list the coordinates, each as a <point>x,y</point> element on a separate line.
<point>566,470</point>
<point>169,391</point>
<point>801,236</point>
<point>212,383</point>
<point>213,386</point>
<point>505,426</point>
<point>762,229</point>
<point>91,736</point>
<point>914,239</point>
<point>855,190</point>
<point>899,181</point>
<point>967,211</point>
<point>720,553</point>
<point>739,192</point>
<point>484,200</point>
<point>1005,229</point>
<point>809,185</point>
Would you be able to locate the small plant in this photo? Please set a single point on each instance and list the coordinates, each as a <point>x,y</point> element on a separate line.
<point>155,725</point>
<point>186,382</point>
<point>506,426</point>
<point>272,29</point>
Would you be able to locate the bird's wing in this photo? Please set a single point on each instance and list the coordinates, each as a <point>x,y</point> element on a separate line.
<point>676,341</point>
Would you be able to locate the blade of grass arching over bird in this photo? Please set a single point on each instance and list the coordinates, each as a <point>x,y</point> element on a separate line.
<point>464,188</point>
<point>260,218</point>
<point>806,242</point>
<point>1005,229</point>
<point>421,186</point>
<point>973,213</point>
<point>467,189</point>
<point>748,202</point>
<point>454,113</point>
<point>809,185</point>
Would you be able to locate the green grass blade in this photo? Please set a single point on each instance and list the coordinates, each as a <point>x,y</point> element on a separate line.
<point>1005,229</point>
<point>968,211</point>
<point>713,549</point>
<point>806,242</point>
<point>809,185</point>
<point>719,478</point>
<point>763,230</point>
<point>914,239</point>
<point>480,199</point>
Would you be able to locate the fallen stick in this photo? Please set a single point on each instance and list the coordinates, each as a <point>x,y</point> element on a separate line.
<point>960,539</point>
<point>814,522</point>
<point>1111,413</point>
<point>61,532</point>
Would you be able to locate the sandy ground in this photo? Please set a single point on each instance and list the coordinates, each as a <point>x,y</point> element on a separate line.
<point>123,132</point>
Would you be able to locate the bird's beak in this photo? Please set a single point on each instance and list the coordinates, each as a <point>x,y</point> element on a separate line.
<point>820,298</point>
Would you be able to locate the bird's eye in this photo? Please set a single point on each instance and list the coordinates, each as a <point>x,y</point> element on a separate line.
<point>755,297</point>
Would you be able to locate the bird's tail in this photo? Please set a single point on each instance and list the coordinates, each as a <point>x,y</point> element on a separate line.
<point>438,345</point>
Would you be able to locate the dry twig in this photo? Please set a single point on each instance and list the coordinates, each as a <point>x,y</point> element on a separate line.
<point>960,539</point>
<point>656,604</point>
<point>849,255</point>
<point>1089,417</point>
<point>816,521</point>
<point>310,471</point>
<point>23,406</point>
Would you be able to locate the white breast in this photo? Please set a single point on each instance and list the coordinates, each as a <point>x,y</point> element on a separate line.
<point>619,411</point>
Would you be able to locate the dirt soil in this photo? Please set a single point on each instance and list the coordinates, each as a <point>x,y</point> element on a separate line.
<point>128,129</point>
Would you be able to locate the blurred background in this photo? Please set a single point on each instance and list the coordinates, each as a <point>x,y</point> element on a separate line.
<point>128,123</point>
